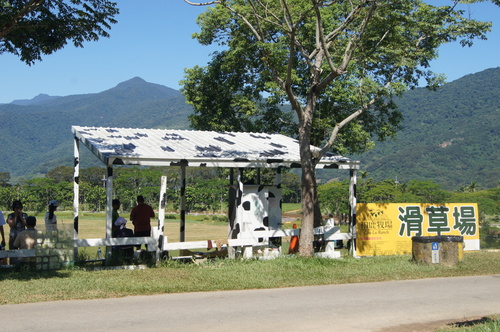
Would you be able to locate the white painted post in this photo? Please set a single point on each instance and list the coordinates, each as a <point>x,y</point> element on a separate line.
<point>76,189</point>
<point>163,204</point>
<point>278,186</point>
<point>231,252</point>
<point>246,250</point>
<point>352,217</point>
<point>183,204</point>
<point>109,201</point>
<point>109,207</point>
<point>161,217</point>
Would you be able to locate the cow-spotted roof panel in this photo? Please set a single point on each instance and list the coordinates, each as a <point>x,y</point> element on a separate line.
<point>164,147</point>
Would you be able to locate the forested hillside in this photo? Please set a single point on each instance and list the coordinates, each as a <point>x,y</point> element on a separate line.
<point>450,136</point>
<point>36,136</point>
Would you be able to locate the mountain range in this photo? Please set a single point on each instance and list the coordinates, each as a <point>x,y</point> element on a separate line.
<point>36,137</point>
<point>450,136</point>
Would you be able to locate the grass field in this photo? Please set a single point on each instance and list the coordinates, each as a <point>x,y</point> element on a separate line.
<point>176,277</point>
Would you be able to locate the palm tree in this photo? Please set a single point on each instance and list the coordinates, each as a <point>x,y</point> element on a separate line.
<point>472,187</point>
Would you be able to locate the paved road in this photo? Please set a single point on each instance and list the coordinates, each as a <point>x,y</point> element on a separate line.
<point>384,306</point>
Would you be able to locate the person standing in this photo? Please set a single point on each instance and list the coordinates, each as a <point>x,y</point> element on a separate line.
<point>114,216</point>
<point>2,222</point>
<point>50,217</point>
<point>141,216</point>
<point>17,222</point>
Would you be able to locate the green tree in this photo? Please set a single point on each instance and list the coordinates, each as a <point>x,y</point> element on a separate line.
<point>379,192</point>
<point>7,196</point>
<point>94,196</point>
<point>290,186</point>
<point>63,193</point>
<point>30,28</point>
<point>61,173</point>
<point>334,198</point>
<point>428,191</point>
<point>488,201</point>
<point>4,179</point>
<point>472,187</point>
<point>94,175</point>
<point>337,63</point>
<point>132,181</point>
<point>224,98</point>
<point>37,193</point>
<point>207,195</point>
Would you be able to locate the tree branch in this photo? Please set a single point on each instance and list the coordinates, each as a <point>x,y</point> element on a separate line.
<point>354,115</point>
<point>350,48</point>
<point>202,3</point>
<point>28,8</point>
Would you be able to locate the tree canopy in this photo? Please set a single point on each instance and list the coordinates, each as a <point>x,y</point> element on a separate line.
<point>337,63</point>
<point>30,28</point>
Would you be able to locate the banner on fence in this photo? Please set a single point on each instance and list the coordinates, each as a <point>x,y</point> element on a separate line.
<point>387,229</point>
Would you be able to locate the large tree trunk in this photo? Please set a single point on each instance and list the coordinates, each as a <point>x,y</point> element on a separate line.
<point>308,202</point>
<point>308,182</point>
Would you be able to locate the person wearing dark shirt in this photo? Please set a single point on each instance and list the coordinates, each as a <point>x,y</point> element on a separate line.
<point>141,216</point>
<point>114,215</point>
<point>126,251</point>
<point>17,222</point>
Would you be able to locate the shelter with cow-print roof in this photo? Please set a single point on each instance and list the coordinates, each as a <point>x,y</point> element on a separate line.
<point>254,210</point>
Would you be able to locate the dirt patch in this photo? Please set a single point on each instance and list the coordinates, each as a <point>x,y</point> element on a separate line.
<point>433,326</point>
<point>291,216</point>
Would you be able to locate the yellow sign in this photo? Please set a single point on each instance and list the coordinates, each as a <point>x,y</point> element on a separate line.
<point>387,229</point>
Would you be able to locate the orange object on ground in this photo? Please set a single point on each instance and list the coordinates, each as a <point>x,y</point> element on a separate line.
<point>294,243</point>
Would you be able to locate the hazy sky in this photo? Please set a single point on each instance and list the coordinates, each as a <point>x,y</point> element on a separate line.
<point>152,40</point>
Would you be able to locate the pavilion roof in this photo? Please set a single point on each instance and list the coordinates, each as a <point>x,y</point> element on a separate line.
<point>166,147</point>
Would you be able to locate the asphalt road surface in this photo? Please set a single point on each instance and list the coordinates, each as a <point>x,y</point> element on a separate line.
<point>411,305</point>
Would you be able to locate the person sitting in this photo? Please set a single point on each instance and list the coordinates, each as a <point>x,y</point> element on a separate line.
<point>127,251</point>
<point>27,239</point>
<point>114,215</point>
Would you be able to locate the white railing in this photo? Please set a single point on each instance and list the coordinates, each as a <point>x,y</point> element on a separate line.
<point>158,243</point>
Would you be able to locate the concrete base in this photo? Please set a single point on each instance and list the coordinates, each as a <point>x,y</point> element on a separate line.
<point>328,254</point>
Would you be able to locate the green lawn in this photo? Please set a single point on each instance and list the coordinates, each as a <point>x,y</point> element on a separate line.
<point>175,277</point>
